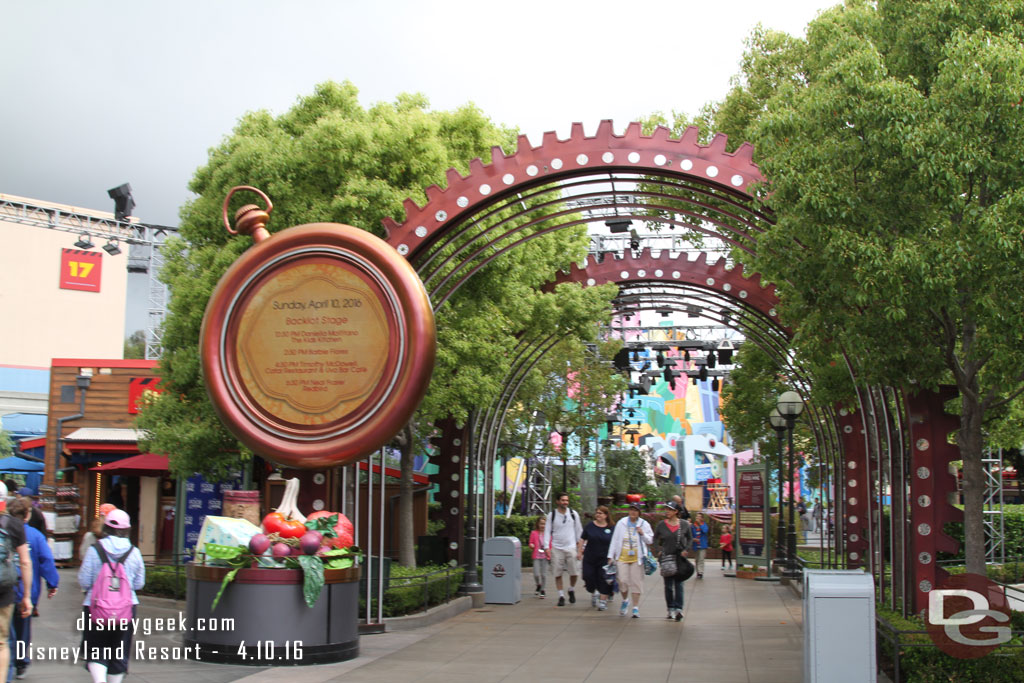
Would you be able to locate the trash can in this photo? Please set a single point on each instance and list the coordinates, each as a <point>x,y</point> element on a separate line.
<point>839,626</point>
<point>503,571</point>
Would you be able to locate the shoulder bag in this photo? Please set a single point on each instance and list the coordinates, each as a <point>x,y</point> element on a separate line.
<point>650,564</point>
<point>669,567</point>
<point>676,565</point>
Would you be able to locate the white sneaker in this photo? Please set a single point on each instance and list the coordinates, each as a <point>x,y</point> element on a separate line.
<point>636,612</point>
<point>679,615</point>
<point>624,608</point>
<point>593,599</point>
<point>602,605</point>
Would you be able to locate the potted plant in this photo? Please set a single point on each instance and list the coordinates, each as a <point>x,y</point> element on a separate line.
<point>651,496</point>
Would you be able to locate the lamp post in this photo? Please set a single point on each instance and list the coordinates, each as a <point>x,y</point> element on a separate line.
<point>778,423</point>
<point>790,405</point>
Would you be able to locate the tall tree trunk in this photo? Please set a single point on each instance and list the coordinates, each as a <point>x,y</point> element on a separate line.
<point>969,439</point>
<point>406,541</point>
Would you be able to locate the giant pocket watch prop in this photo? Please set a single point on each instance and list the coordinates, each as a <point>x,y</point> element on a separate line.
<point>317,343</point>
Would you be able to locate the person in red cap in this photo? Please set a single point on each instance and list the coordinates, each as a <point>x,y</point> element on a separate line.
<point>97,645</point>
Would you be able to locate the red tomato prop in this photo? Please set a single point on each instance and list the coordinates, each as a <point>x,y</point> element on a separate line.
<point>634,497</point>
<point>283,526</point>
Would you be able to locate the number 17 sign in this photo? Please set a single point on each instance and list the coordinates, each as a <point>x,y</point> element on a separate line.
<point>80,269</point>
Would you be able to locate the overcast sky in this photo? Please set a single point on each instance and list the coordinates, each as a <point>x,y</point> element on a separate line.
<point>99,93</point>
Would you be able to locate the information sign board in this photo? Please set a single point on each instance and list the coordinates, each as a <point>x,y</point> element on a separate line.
<point>751,502</point>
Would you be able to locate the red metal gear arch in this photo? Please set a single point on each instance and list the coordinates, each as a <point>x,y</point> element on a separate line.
<point>718,276</point>
<point>603,152</point>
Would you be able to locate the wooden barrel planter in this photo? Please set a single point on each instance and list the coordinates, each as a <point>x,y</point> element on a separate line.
<point>272,624</point>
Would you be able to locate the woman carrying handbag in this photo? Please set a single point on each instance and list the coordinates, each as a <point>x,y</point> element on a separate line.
<point>673,537</point>
<point>627,551</point>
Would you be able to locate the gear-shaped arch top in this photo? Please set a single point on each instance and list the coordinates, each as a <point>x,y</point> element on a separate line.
<point>605,151</point>
<point>719,276</point>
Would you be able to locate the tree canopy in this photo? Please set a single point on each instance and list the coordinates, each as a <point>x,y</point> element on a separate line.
<point>890,137</point>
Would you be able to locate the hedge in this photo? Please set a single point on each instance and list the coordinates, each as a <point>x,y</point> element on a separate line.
<point>165,581</point>
<point>1013,521</point>
<point>922,662</point>
<point>405,593</point>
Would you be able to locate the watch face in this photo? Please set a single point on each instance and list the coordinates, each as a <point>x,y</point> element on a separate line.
<point>318,344</point>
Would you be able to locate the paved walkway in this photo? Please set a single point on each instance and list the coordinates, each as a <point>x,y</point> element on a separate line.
<point>735,630</point>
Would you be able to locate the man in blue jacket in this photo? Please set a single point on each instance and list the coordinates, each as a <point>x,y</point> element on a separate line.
<point>43,567</point>
<point>700,542</point>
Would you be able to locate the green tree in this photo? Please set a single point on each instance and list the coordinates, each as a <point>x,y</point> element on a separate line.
<point>135,345</point>
<point>890,139</point>
<point>329,159</point>
<point>750,394</point>
<point>625,470</point>
<point>575,387</point>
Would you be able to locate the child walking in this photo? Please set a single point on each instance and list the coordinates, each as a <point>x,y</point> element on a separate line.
<point>541,557</point>
<point>725,543</point>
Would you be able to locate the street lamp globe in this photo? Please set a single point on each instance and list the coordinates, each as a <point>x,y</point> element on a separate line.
<point>777,422</point>
<point>790,405</point>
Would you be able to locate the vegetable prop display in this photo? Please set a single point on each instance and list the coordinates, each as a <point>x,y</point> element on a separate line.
<point>339,531</point>
<point>287,521</point>
<point>312,566</point>
<point>321,541</point>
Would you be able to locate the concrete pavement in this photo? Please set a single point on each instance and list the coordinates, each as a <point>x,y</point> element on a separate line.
<point>735,630</point>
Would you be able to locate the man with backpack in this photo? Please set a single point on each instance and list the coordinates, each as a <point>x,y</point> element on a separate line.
<point>12,545</point>
<point>562,536</point>
<point>43,567</point>
<point>111,572</point>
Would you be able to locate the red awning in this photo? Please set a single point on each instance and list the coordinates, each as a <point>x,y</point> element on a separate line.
<point>392,472</point>
<point>144,465</point>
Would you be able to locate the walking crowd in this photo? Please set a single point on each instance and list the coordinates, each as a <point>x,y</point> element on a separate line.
<point>615,558</point>
<point>111,571</point>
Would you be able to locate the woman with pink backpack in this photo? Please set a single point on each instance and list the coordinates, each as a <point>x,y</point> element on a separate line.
<point>111,572</point>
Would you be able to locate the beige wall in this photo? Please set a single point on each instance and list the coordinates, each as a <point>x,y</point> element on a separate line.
<point>41,320</point>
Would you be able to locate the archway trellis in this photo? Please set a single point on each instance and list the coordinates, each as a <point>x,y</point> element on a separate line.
<point>893,445</point>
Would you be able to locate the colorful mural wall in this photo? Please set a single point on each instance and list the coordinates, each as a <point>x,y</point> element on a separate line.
<point>678,421</point>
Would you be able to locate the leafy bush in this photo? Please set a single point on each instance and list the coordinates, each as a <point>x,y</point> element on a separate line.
<point>165,582</point>
<point>1011,572</point>
<point>625,470</point>
<point>1013,519</point>
<point>405,595</point>
<point>519,526</point>
<point>435,525</point>
<point>922,662</point>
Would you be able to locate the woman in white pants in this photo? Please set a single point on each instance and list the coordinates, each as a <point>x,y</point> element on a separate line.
<point>629,544</point>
